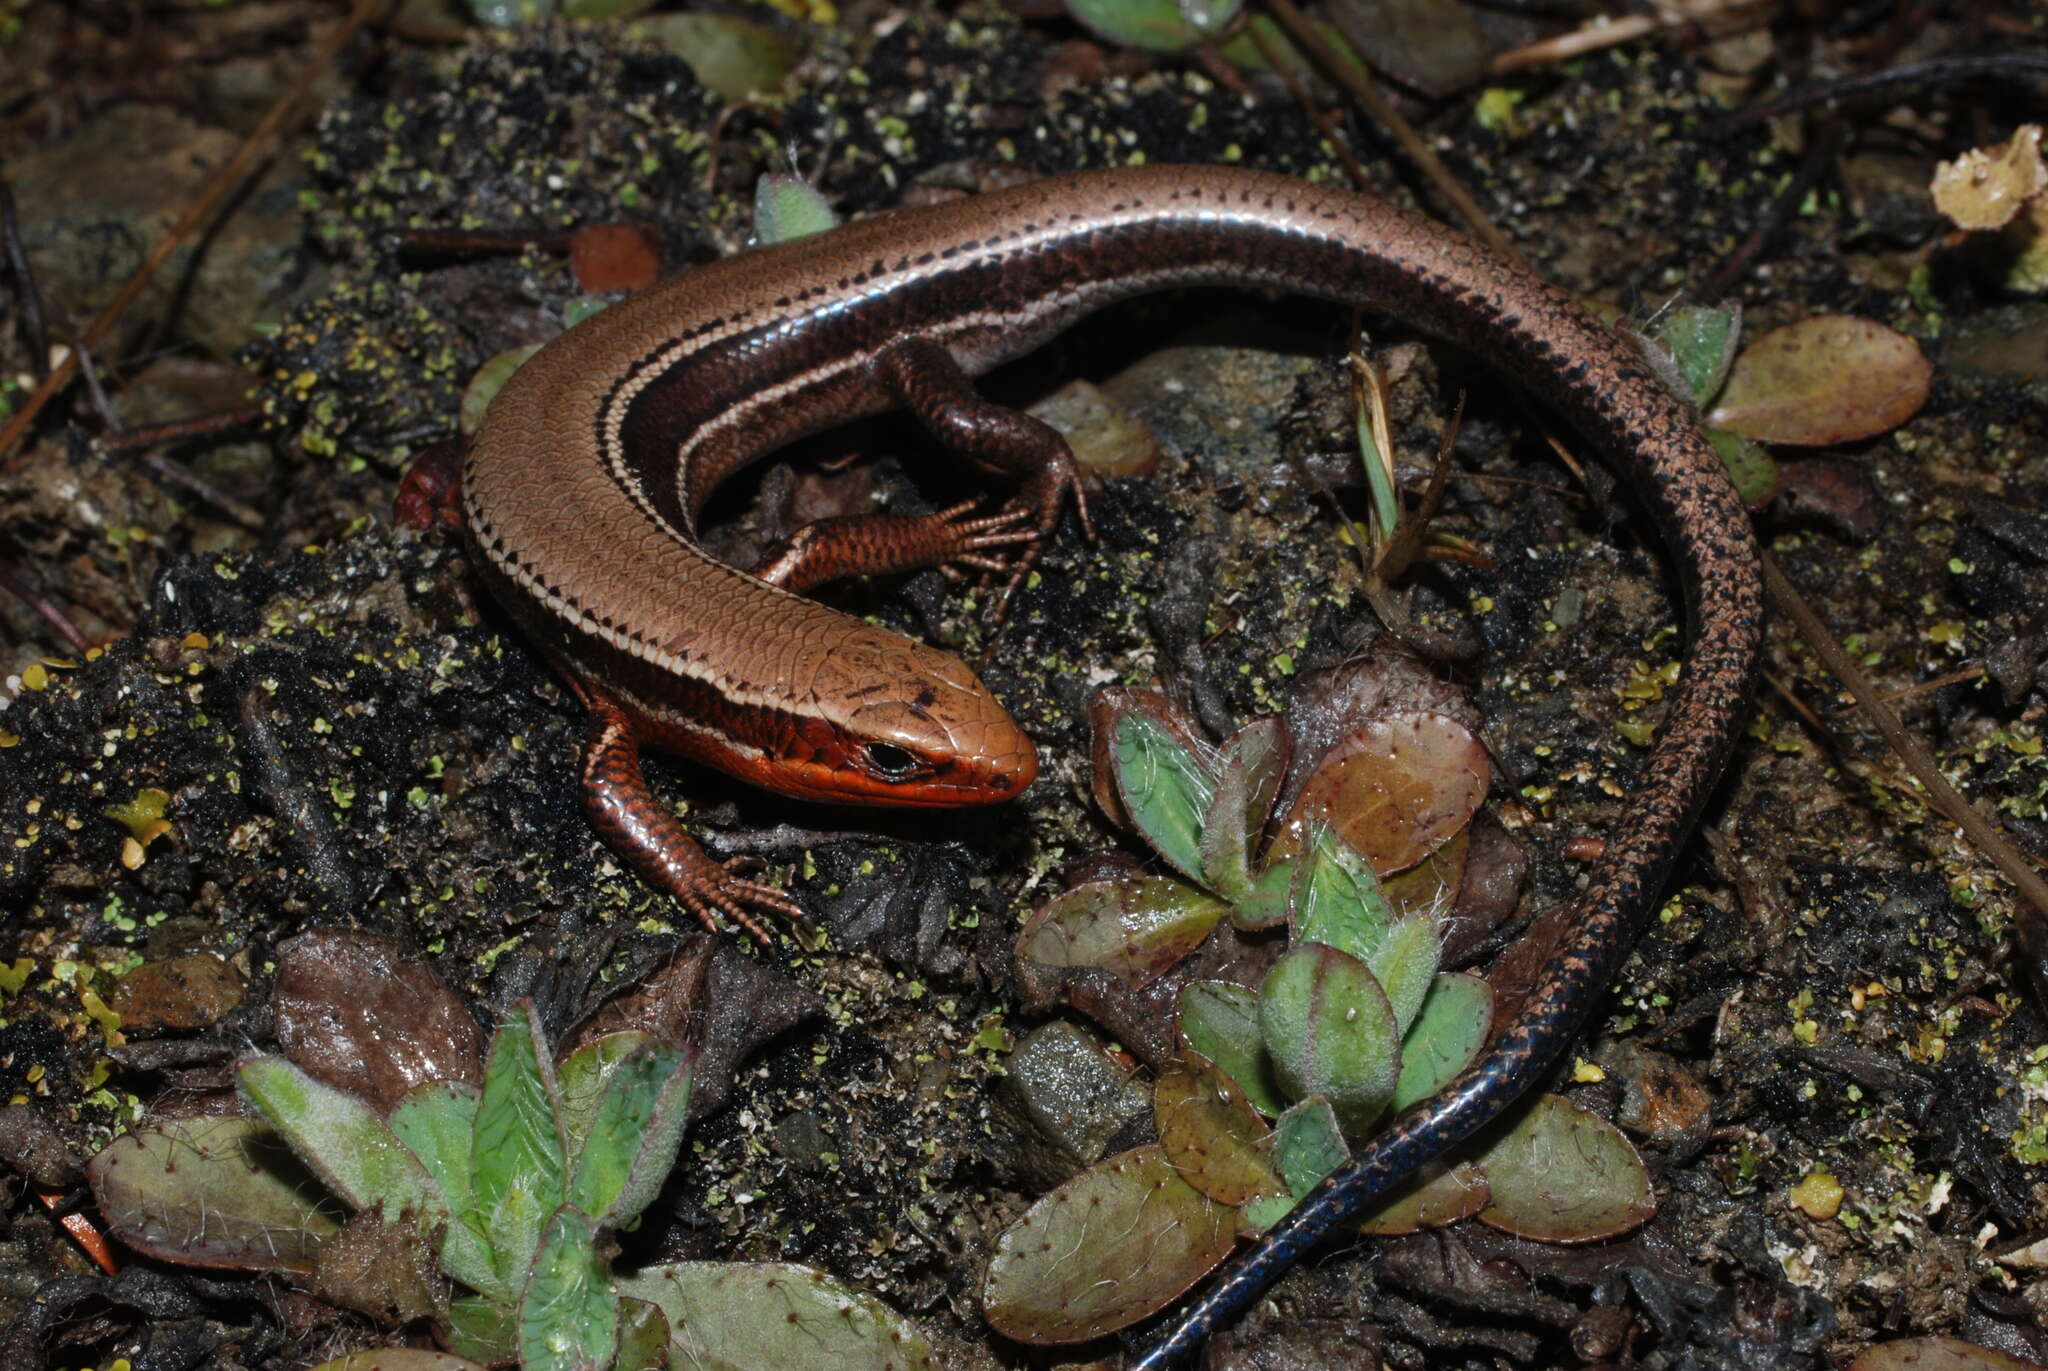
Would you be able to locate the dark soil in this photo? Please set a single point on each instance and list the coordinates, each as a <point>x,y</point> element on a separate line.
<point>349,737</point>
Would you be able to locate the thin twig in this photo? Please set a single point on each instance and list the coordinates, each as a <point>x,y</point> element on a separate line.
<point>224,183</point>
<point>1316,113</point>
<point>25,288</point>
<point>1873,85</point>
<point>50,614</point>
<point>1592,37</point>
<point>1825,148</point>
<point>182,430</point>
<point>2031,924</point>
<point>1418,151</point>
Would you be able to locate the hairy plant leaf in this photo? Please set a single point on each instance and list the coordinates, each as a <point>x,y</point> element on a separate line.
<point>1754,471</point>
<point>1254,763</point>
<point>788,207</point>
<point>1330,1032</point>
<point>746,1316</point>
<point>643,1337</point>
<point>1442,1194</point>
<point>517,1169</point>
<point>1211,1133</point>
<point>569,1316</point>
<point>1405,964</point>
<point>219,1192</point>
<point>482,1329</point>
<point>1336,899</point>
<point>1220,1021</point>
<point>1135,926</point>
<point>1693,345</point>
<point>633,1139</point>
<point>1270,897</point>
<point>580,1080</point>
<point>1308,1145</point>
<point>1111,1246</point>
<point>1560,1173</point>
<point>1154,25</point>
<point>1445,1036</point>
<point>343,1140</point>
<point>1166,788</point>
<point>436,1122</point>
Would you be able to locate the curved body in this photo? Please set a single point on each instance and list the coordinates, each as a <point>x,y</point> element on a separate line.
<point>582,490</point>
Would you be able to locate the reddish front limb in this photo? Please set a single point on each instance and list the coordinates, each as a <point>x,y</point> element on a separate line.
<point>931,385</point>
<point>638,827</point>
<point>882,544</point>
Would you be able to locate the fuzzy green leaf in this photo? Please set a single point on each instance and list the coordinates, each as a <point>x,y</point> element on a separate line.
<point>1405,965</point>
<point>1330,1031</point>
<point>580,1082</point>
<point>1254,761</point>
<point>569,1317</point>
<point>1220,1020</point>
<point>1445,1036</point>
<point>341,1138</point>
<point>1336,900</point>
<point>732,1316</point>
<point>1166,789</point>
<point>516,1152</point>
<point>436,1122</point>
<point>634,1134</point>
<point>220,1192</point>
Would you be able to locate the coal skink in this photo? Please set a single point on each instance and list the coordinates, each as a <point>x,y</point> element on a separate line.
<point>582,490</point>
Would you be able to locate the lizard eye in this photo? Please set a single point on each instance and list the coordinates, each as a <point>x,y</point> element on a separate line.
<point>891,763</point>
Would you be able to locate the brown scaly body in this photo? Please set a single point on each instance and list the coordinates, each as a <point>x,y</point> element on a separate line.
<point>582,491</point>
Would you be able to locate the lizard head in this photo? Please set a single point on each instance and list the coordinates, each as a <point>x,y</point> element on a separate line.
<point>894,722</point>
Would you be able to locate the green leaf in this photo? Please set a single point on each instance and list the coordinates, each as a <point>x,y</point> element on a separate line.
<point>1308,1145</point>
<point>569,1317</point>
<point>482,1329</point>
<point>580,1082</point>
<point>634,1136</point>
<point>1754,471</point>
<point>1220,1021</point>
<point>643,1337</point>
<point>1405,965</point>
<point>1698,343</point>
<point>1155,25</point>
<point>1445,1036</point>
<point>1560,1173</point>
<point>343,1140</point>
<point>1111,1246</point>
<point>220,1192</point>
<point>1166,789</point>
<point>436,1121</point>
<point>733,1316</point>
<point>516,1153</point>
<point>788,207</point>
<point>1270,898</point>
<point>1211,1134</point>
<point>1254,762</point>
<point>1336,900</point>
<point>1136,926</point>
<point>1330,1031</point>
